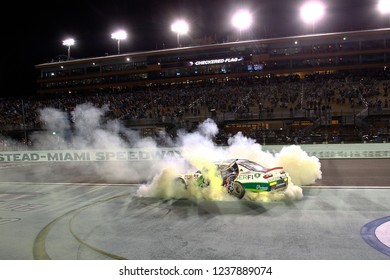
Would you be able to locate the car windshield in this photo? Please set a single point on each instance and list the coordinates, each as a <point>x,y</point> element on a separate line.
<point>250,165</point>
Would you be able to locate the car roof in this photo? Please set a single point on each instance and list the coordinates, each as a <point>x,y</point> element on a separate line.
<point>239,161</point>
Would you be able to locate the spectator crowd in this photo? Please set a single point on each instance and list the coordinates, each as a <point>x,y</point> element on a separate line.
<point>315,95</point>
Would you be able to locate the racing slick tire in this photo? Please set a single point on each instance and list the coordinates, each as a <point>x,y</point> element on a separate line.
<point>238,190</point>
<point>180,183</point>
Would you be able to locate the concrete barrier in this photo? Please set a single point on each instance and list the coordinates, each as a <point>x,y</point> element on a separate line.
<point>329,151</point>
<point>321,151</point>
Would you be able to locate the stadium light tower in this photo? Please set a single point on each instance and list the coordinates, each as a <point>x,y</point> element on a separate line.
<point>119,35</point>
<point>68,42</point>
<point>311,12</point>
<point>180,27</point>
<point>242,20</point>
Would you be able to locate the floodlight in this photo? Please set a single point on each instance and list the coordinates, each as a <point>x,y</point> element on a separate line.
<point>119,35</point>
<point>312,11</point>
<point>180,27</point>
<point>242,20</point>
<point>68,42</point>
<point>384,6</point>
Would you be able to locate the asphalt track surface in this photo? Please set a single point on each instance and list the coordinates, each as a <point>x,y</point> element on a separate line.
<point>54,211</point>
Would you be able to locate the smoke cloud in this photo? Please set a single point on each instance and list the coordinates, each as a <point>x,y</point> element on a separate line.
<point>87,128</point>
<point>199,151</point>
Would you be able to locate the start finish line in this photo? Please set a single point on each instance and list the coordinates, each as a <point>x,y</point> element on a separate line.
<point>90,155</point>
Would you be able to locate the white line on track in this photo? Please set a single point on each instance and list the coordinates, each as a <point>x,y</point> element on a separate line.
<point>345,187</point>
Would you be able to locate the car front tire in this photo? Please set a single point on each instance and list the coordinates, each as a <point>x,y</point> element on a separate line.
<point>238,190</point>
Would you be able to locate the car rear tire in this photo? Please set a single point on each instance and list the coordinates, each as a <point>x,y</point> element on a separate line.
<point>180,183</point>
<point>238,190</point>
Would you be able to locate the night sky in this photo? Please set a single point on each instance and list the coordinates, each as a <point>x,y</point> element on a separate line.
<point>34,32</point>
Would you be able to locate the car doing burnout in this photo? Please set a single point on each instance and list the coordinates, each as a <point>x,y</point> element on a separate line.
<point>245,175</point>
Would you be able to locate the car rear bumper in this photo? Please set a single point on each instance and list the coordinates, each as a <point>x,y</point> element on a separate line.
<point>279,185</point>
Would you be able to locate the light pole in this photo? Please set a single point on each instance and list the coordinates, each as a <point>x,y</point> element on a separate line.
<point>180,27</point>
<point>242,20</point>
<point>311,12</point>
<point>119,35</point>
<point>68,42</point>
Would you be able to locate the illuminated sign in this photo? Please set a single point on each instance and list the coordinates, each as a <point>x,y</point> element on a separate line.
<point>218,61</point>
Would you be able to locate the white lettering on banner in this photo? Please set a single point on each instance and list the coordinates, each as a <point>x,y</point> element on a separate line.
<point>83,156</point>
<point>134,155</point>
<point>219,61</point>
<point>91,155</point>
<point>19,157</point>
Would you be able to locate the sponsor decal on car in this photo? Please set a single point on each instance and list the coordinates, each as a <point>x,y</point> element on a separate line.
<point>261,188</point>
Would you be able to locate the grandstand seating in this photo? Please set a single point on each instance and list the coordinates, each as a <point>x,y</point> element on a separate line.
<point>326,107</point>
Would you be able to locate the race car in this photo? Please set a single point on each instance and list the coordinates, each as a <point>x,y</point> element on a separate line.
<point>239,176</point>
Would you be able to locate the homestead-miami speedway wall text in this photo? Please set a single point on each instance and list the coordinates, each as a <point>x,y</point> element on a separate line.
<point>90,155</point>
<point>321,151</point>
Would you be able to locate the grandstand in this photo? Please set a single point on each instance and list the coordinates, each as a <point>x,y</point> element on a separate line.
<point>219,62</point>
<point>302,89</point>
